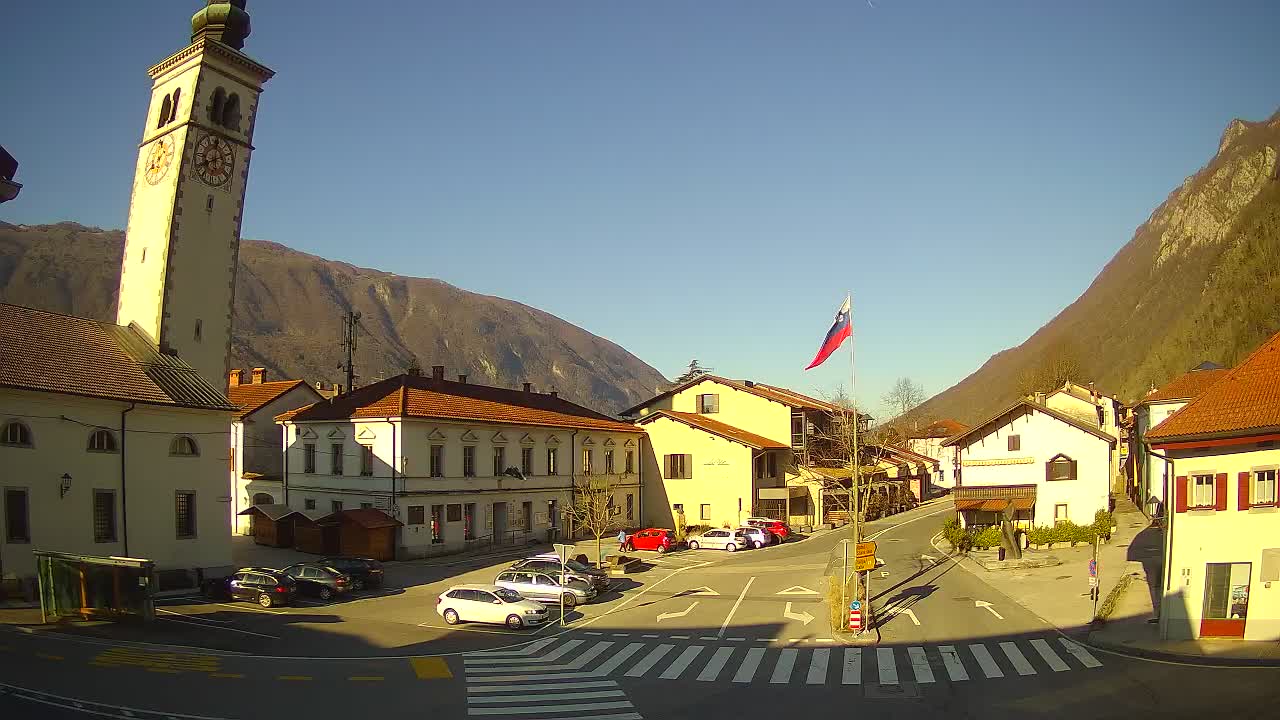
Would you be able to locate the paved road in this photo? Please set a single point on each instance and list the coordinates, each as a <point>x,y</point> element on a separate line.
<point>702,634</point>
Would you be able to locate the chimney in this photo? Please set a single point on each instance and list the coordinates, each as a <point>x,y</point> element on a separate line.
<point>258,375</point>
<point>462,379</point>
<point>437,372</point>
<point>528,387</point>
<point>554,394</point>
<point>235,378</point>
<point>751,383</point>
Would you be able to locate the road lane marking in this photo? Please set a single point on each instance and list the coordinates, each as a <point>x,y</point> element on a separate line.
<point>618,634</point>
<point>887,666</point>
<point>253,608</point>
<point>618,658</point>
<point>920,664</point>
<point>581,707</point>
<point>681,663</point>
<point>1080,653</point>
<point>190,616</point>
<point>228,676</point>
<point>782,671</point>
<point>169,671</point>
<point>430,668</point>
<point>747,670</point>
<point>734,610</point>
<point>538,697</point>
<point>951,661</point>
<point>715,664</point>
<point>818,667</point>
<point>649,661</point>
<point>1048,655</point>
<point>736,639</point>
<point>593,633</point>
<point>219,627</point>
<point>708,637</point>
<point>851,674</point>
<point>1016,657</point>
<point>47,656</point>
<point>986,662</point>
<point>533,666</point>
<point>366,678</point>
<point>530,649</point>
<point>528,688</point>
<point>680,637</point>
<point>293,677</point>
<point>651,637</point>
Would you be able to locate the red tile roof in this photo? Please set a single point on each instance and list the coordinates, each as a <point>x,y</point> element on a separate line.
<point>944,428</point>
<point>1245,401</point>
<point>715,427</point>
<point>417,396</point>
<point>768,392</point>
<point>368,518</point>
<point>251,397</point>
<point>911,455</point>
<point>51,352</point>
<point>1187,386</point>
<point>1034,407</point>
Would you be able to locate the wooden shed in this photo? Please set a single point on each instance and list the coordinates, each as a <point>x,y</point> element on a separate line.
<point>367,532</point>
<point>315,531</point>
<point>270,524</point>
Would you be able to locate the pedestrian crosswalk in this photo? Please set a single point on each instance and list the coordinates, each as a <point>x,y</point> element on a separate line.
<point>554,661</point>
<point>532,684</point>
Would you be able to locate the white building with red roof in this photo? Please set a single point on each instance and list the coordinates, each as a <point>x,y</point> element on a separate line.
<point>1222,538</point>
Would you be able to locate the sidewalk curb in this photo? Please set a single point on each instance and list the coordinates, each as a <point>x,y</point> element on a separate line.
<point>1178,658</point>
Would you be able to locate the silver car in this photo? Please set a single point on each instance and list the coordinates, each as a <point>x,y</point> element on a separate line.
<point>759,537</point>
<point>730,540</point>
<point>546,587</point>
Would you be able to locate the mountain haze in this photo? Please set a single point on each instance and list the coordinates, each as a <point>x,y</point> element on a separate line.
<point>289,308</point>
<point>1198,281</point>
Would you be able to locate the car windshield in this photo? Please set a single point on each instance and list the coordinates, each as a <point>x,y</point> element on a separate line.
<point>507,595</point>
<point>576,566</point>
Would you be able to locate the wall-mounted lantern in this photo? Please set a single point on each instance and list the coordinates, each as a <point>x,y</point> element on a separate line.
<point>66,485</point>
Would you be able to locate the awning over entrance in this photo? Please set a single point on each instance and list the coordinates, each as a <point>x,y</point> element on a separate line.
<point>995,498</point>
<point>995,504</point>
<point>782,493</point>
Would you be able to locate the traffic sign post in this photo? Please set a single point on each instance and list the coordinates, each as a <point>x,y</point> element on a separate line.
<point>865,549</point>
<point>864,564</point>
<point>563,551</point>
<point>855,619</point>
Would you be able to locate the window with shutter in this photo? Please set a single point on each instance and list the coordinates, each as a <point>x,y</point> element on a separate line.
<point>1242,491</point>
<point>1264,487</point>
<point>1015,443</point>
<point>1220,491</point>
<point>1180,493</point>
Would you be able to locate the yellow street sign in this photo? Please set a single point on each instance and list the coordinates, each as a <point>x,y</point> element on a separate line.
<point>865,549</point>
<point>863,564</point>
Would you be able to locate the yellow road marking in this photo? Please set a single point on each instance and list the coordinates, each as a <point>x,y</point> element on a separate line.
<point>430,668</point>
<point>227,675</point>
<point>293,677</point>
<point>171,671</point>
<point>366,677</point>
<point>47,656</point>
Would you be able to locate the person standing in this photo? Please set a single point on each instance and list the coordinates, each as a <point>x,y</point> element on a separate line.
<point>622,540</point>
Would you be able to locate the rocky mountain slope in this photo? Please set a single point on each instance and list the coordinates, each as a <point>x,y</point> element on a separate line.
<point>289,308</point>
<point>1198,281</point>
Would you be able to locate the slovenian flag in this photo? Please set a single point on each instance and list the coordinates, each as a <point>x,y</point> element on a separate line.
<point>840,330</point>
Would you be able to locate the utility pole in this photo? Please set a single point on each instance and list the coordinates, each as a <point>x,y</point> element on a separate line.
<point>350,323</point>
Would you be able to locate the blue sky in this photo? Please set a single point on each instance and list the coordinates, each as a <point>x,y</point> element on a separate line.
<point>688,179</point>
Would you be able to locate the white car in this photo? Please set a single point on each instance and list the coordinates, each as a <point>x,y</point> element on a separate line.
<point>489,604</point>
<point>730,540</point>
<point>759,536</point>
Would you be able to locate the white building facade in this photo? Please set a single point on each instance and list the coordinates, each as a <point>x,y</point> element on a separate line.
<point>504,473</point>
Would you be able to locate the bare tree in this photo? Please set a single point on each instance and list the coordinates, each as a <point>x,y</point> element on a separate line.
<point>1056,364</point>
<point>593,509</point>
<point>904,396</point>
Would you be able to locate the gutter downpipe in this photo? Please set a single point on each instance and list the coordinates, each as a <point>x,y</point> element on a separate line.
<point>1168,536</point>
<point>573,437</point>
<point>124,494</point>
<point>390,422</point>
<point>284,475</point>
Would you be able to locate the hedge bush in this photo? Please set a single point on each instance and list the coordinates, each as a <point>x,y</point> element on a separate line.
<point>1068,533</point>
<point>986,538</point>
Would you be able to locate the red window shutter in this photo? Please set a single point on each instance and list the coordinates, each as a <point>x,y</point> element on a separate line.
<point>1244,491</point>
<point>1220,487</point>
<point>1180,493</point>
<point>1073,470</point>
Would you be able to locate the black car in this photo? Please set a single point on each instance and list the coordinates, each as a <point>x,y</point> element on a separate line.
<point>265,587</point>
<point>319,580</point>
<point>364,572</point>
<point>573,570</point>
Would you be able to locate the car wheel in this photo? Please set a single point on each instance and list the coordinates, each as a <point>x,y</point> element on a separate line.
<point>265,600</point>
<point>451,616</point>
<point>357,584</point>
<point>514,622</point>
<point>662,549</point>
<point>325,593</point>
<point>569,599</point>
<point>731,547</point>
<point>693,544</point>
<point>757,545</point>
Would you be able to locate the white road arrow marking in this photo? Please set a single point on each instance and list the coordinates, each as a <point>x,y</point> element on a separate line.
<point>686,611</point>
<point>803,617</point>
<point>797,590</point>
<point>932,560</point>
<point>704,590</point>
<point>905,611</point>
<point>987,605</point>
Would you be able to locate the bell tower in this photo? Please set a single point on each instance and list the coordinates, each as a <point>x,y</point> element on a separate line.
<point>178,276</point>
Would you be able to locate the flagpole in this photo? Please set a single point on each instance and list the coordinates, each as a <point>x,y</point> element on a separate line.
<point>853,455</point>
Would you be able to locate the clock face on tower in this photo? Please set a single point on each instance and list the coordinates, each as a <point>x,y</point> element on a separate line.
<point>214,160</point>
<point>159,159</point>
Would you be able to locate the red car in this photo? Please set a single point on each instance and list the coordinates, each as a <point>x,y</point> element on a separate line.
<point>779,529</point>
<point>651,539</point>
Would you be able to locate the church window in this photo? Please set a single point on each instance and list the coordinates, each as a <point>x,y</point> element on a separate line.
<point>216,107</point>
<point>173,111</point>
<point>101,440</point>
<point>208,204</point>
<point>231,113</point>
<point>165,106</point>
<point>185,446</point>
<point>15,433</point>
<point>199,332</point>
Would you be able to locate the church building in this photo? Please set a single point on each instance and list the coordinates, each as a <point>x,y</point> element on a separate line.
<point>113,436</point>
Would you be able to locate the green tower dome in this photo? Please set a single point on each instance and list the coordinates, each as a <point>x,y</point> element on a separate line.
<point>227,22</point>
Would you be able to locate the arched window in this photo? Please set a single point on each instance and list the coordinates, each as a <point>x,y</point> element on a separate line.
<point>165,108</point>
<point>1060,467</point>
<point>185,446</point>
<point>15,433</point>
<point>173,111</point>
<point>263,499</point>
<point>231,113</point>
<point>102,440</point>
<point>216,106</point>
